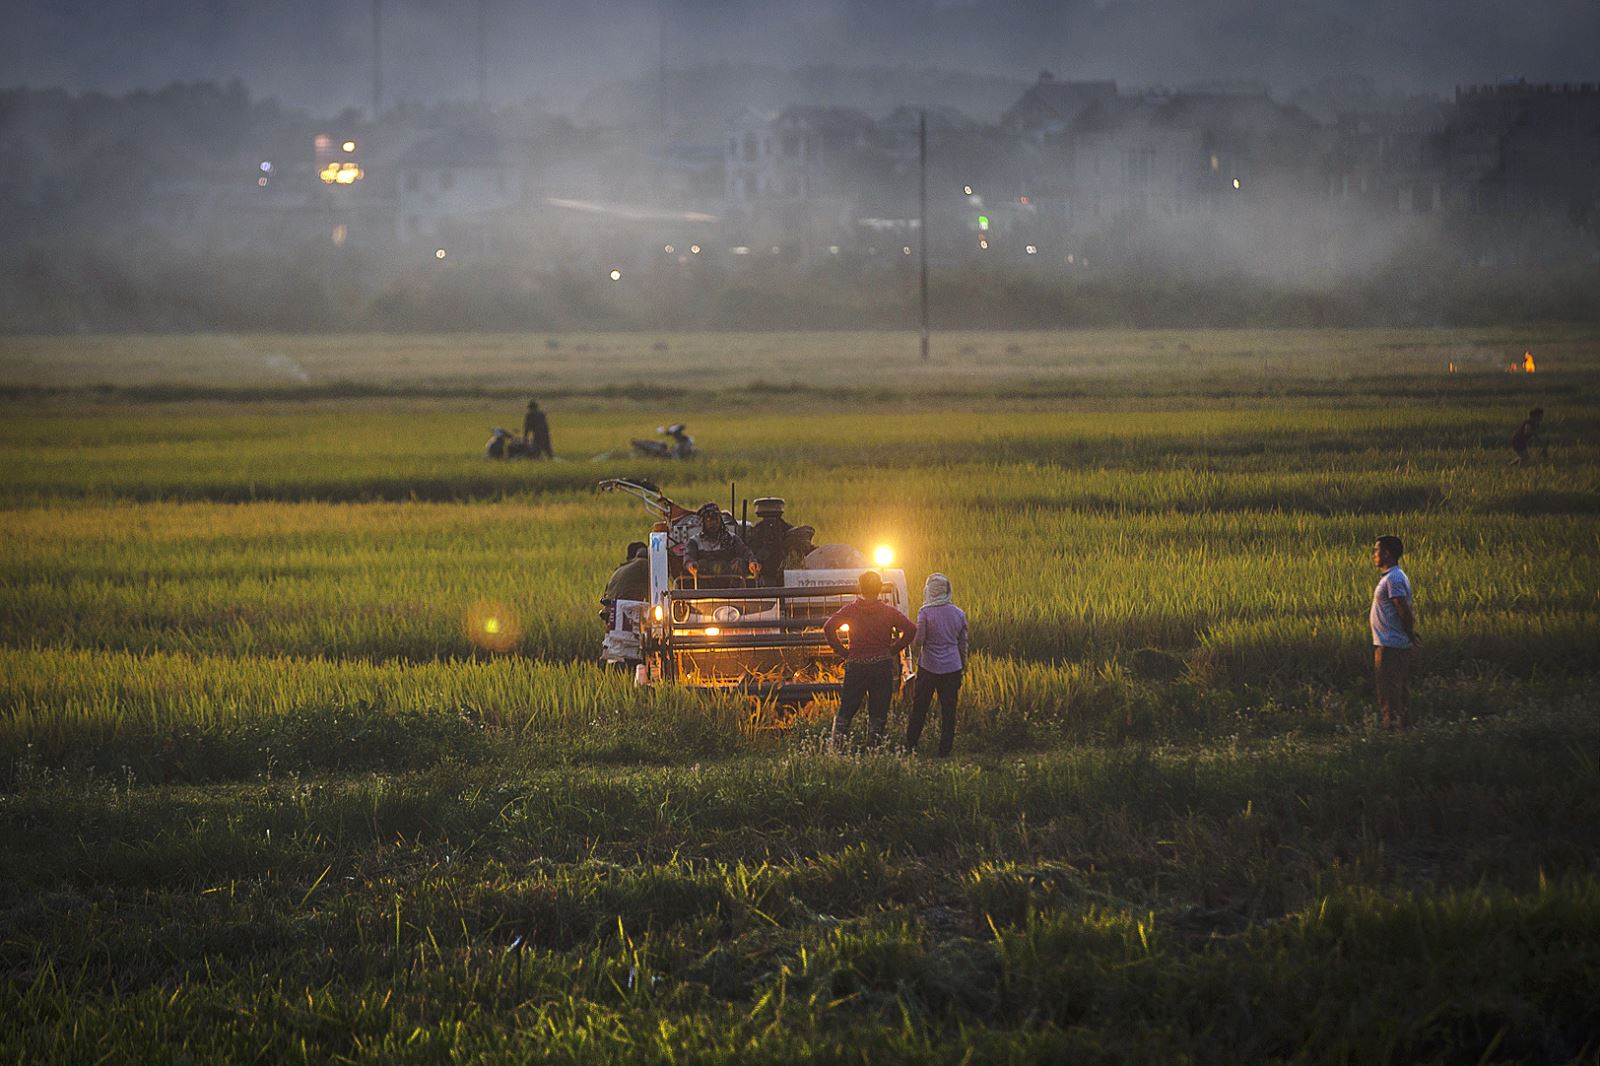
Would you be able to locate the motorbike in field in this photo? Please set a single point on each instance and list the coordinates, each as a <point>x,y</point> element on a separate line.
<point>680,447</point>
<point>505,445</point>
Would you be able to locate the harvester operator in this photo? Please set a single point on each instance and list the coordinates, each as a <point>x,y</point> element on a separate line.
<point>717,550</point>
<point>775,543</point>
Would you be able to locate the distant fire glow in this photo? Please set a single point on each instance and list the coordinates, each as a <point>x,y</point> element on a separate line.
<point>1525,367</point>
<point>492,626</point>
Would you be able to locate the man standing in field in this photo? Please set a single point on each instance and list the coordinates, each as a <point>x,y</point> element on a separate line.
<point>878,634</point>
<point>1394,633</point>
<point>536,432</point>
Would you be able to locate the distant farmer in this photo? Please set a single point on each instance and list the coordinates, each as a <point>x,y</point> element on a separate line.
<point>536,432</point>
<point>941,650</point>
<point>717,550</point>
<point>1394,633</point>
<point>1526,434</point>
<point>878,634</point>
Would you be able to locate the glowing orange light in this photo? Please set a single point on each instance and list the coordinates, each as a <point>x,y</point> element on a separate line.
<point>713,631</point>
<point>844,627</point>
<point>492,626</point>
<point>1527,362</point>
<point>1452,368</point>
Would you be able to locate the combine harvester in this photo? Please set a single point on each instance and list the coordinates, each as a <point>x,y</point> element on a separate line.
<point>731,634</point>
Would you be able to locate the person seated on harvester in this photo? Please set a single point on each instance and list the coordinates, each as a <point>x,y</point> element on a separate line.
<point>716,550</point>
<point>775,543</point>
<point>631,580</point>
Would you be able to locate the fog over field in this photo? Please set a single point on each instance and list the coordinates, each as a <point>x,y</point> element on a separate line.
<point>397,165</point>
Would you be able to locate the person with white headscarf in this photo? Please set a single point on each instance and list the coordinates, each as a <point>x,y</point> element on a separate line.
<point>941,650</point>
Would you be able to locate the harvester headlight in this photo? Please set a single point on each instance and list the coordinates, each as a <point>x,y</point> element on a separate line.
<point>844,627</point>
<point>713,631</point>
<point>658,613</point>
<point>883,555</point>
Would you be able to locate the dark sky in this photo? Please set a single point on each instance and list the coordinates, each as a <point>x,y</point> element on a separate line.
<point>316,53</point>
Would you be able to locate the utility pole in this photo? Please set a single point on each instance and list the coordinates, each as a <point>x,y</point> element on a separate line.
<point>922,220</point>
<point>483,53</point>
<point>661,57</point>
<point>377,59</point>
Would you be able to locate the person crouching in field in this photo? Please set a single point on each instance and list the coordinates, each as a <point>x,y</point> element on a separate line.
<point>1394,633</point>
<point>878,634</point>
<point>941,650</point>
<point>1526,434</point>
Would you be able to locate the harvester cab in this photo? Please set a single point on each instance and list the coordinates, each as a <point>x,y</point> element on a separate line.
<point>732,634</point>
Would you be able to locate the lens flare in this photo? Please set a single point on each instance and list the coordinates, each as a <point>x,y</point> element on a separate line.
<point>492,626</point>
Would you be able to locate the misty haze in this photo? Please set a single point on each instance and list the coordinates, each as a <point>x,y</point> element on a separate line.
<point>829,531</point>
<point>396,165</point>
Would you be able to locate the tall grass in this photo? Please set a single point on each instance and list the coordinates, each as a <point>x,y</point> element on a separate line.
<point>262,794</point>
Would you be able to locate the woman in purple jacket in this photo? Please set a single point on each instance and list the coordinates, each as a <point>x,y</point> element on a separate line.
<point>941,650</point>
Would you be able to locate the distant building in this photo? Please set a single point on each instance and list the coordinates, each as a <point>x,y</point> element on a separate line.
<point>1387,160</point>
<point>792,177</point>
<point>1049,107</point>
<point>1188,156</point>
<point>1522,148</point>
<point>456,182</point>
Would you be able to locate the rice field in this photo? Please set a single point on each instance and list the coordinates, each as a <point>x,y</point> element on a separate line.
<point>264,792</point>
